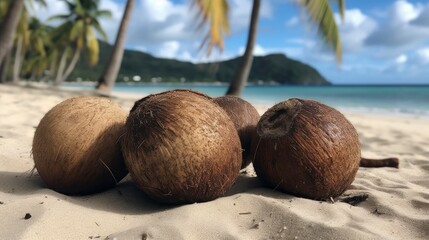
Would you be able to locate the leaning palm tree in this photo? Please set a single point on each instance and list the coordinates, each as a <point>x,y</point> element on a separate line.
<point>22,42</point>
<point>110,73</point>
<point>216,13</point>
<point>4,7</point>
<point>21,38</point>
<point>8,26</point>
<point>77,33</point>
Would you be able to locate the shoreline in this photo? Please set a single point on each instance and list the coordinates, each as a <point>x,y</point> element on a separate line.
<point>397,206</point>
<point>261,106</point>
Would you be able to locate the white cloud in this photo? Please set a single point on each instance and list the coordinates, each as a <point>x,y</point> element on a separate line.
<point>53,7</point>
<point>111,25</point>
<point>423,18</point>
<point>293,21</point>
<point>308,43</point>
<point>401,59</point>
<point>169,49</point>
<point>423,55</point>
<point>398,30</point>
<point>258,50</point>
<point>355,29</point>
<point>403,12</point>
<point>415,62</point>
<point>240,11</point>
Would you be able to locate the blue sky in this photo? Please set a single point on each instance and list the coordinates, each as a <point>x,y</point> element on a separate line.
<point>384,41</point>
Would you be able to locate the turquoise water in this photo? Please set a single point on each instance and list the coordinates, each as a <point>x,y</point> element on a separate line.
<point>410,100</point>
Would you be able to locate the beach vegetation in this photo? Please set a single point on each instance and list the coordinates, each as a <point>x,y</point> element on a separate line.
<point>111,69</point>
<point>15,36</point>
<point>8,25</point>
<point>77,33</point>
<point>51,54</point>
<point>270,69</point>
<point>215,14</point>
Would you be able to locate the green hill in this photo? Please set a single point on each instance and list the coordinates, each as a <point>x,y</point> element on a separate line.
<point>274,68</point>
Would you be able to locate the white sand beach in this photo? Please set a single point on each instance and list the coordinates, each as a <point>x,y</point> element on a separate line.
<point>397,206</point>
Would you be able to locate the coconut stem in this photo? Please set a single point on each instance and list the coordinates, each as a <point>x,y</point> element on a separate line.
<point>376,163</point>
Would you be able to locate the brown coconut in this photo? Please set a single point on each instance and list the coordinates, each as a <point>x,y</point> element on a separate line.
<point>245,118</point>
<point>76,146</point>
<point>307,149</point>
<point>181,147</point>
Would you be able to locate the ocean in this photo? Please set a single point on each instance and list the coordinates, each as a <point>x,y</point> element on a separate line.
<point>380,99</point>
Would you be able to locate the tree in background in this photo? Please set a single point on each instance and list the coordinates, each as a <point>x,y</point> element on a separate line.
<point>77,33</point>
<point>8,26</point>
<point>37,58</point>
<point>215,12</point>
<point>21,37</point>
<point>242,73</point>
<point>22,41</point>
<point>111,70</point>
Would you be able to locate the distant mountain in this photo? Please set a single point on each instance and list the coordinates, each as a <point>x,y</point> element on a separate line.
<point>274,68</point>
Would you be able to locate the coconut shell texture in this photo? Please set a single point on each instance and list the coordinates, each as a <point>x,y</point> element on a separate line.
<point>76,146</point>
<point>307,149</point>
<point>245,118</point>
<point>181,147</point>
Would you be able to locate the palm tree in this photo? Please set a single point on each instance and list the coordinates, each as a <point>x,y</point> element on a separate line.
<point>110,73</point>
<point>320,13</point>
<point>4,7</point>
<point>37,57</point>
<point>243,71</point>
<point>22,41</point>
<point>21,38</point>
<point>216,13</point>
<point>8,26</point>
<point>77,33</point>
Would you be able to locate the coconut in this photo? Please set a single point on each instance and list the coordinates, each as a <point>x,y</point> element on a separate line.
<point>76,146</point>
<point>245,117</point>
<point>181,147</point>
<point>307,149</point>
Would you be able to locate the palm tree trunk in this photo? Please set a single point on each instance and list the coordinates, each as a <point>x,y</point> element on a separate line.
<point>51,74</point>
<point>242,73</point>
<point>8,27</point>
<point>5,67</point>
<point>17,61</point>
<point>72,65</point>
<point>111,70</point>
<point>60,70</point>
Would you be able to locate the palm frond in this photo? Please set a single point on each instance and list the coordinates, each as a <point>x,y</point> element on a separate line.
<point>59,34</point>
<point>77,29</point>
<point>100,30</point>
<point>62,17</point>
<point>342,7</point>
<point>321,14</point>
<point>215,14</point>
<point>103,13</point>
<point>92,47</point>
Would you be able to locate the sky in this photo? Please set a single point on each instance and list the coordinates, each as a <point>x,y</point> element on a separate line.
<point>384,41</point>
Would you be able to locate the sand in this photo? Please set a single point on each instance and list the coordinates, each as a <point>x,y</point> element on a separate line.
<point>397,206</point>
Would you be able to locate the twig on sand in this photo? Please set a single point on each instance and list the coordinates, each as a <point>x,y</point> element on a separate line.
<point>376,163</point>
<point>244,213</point>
